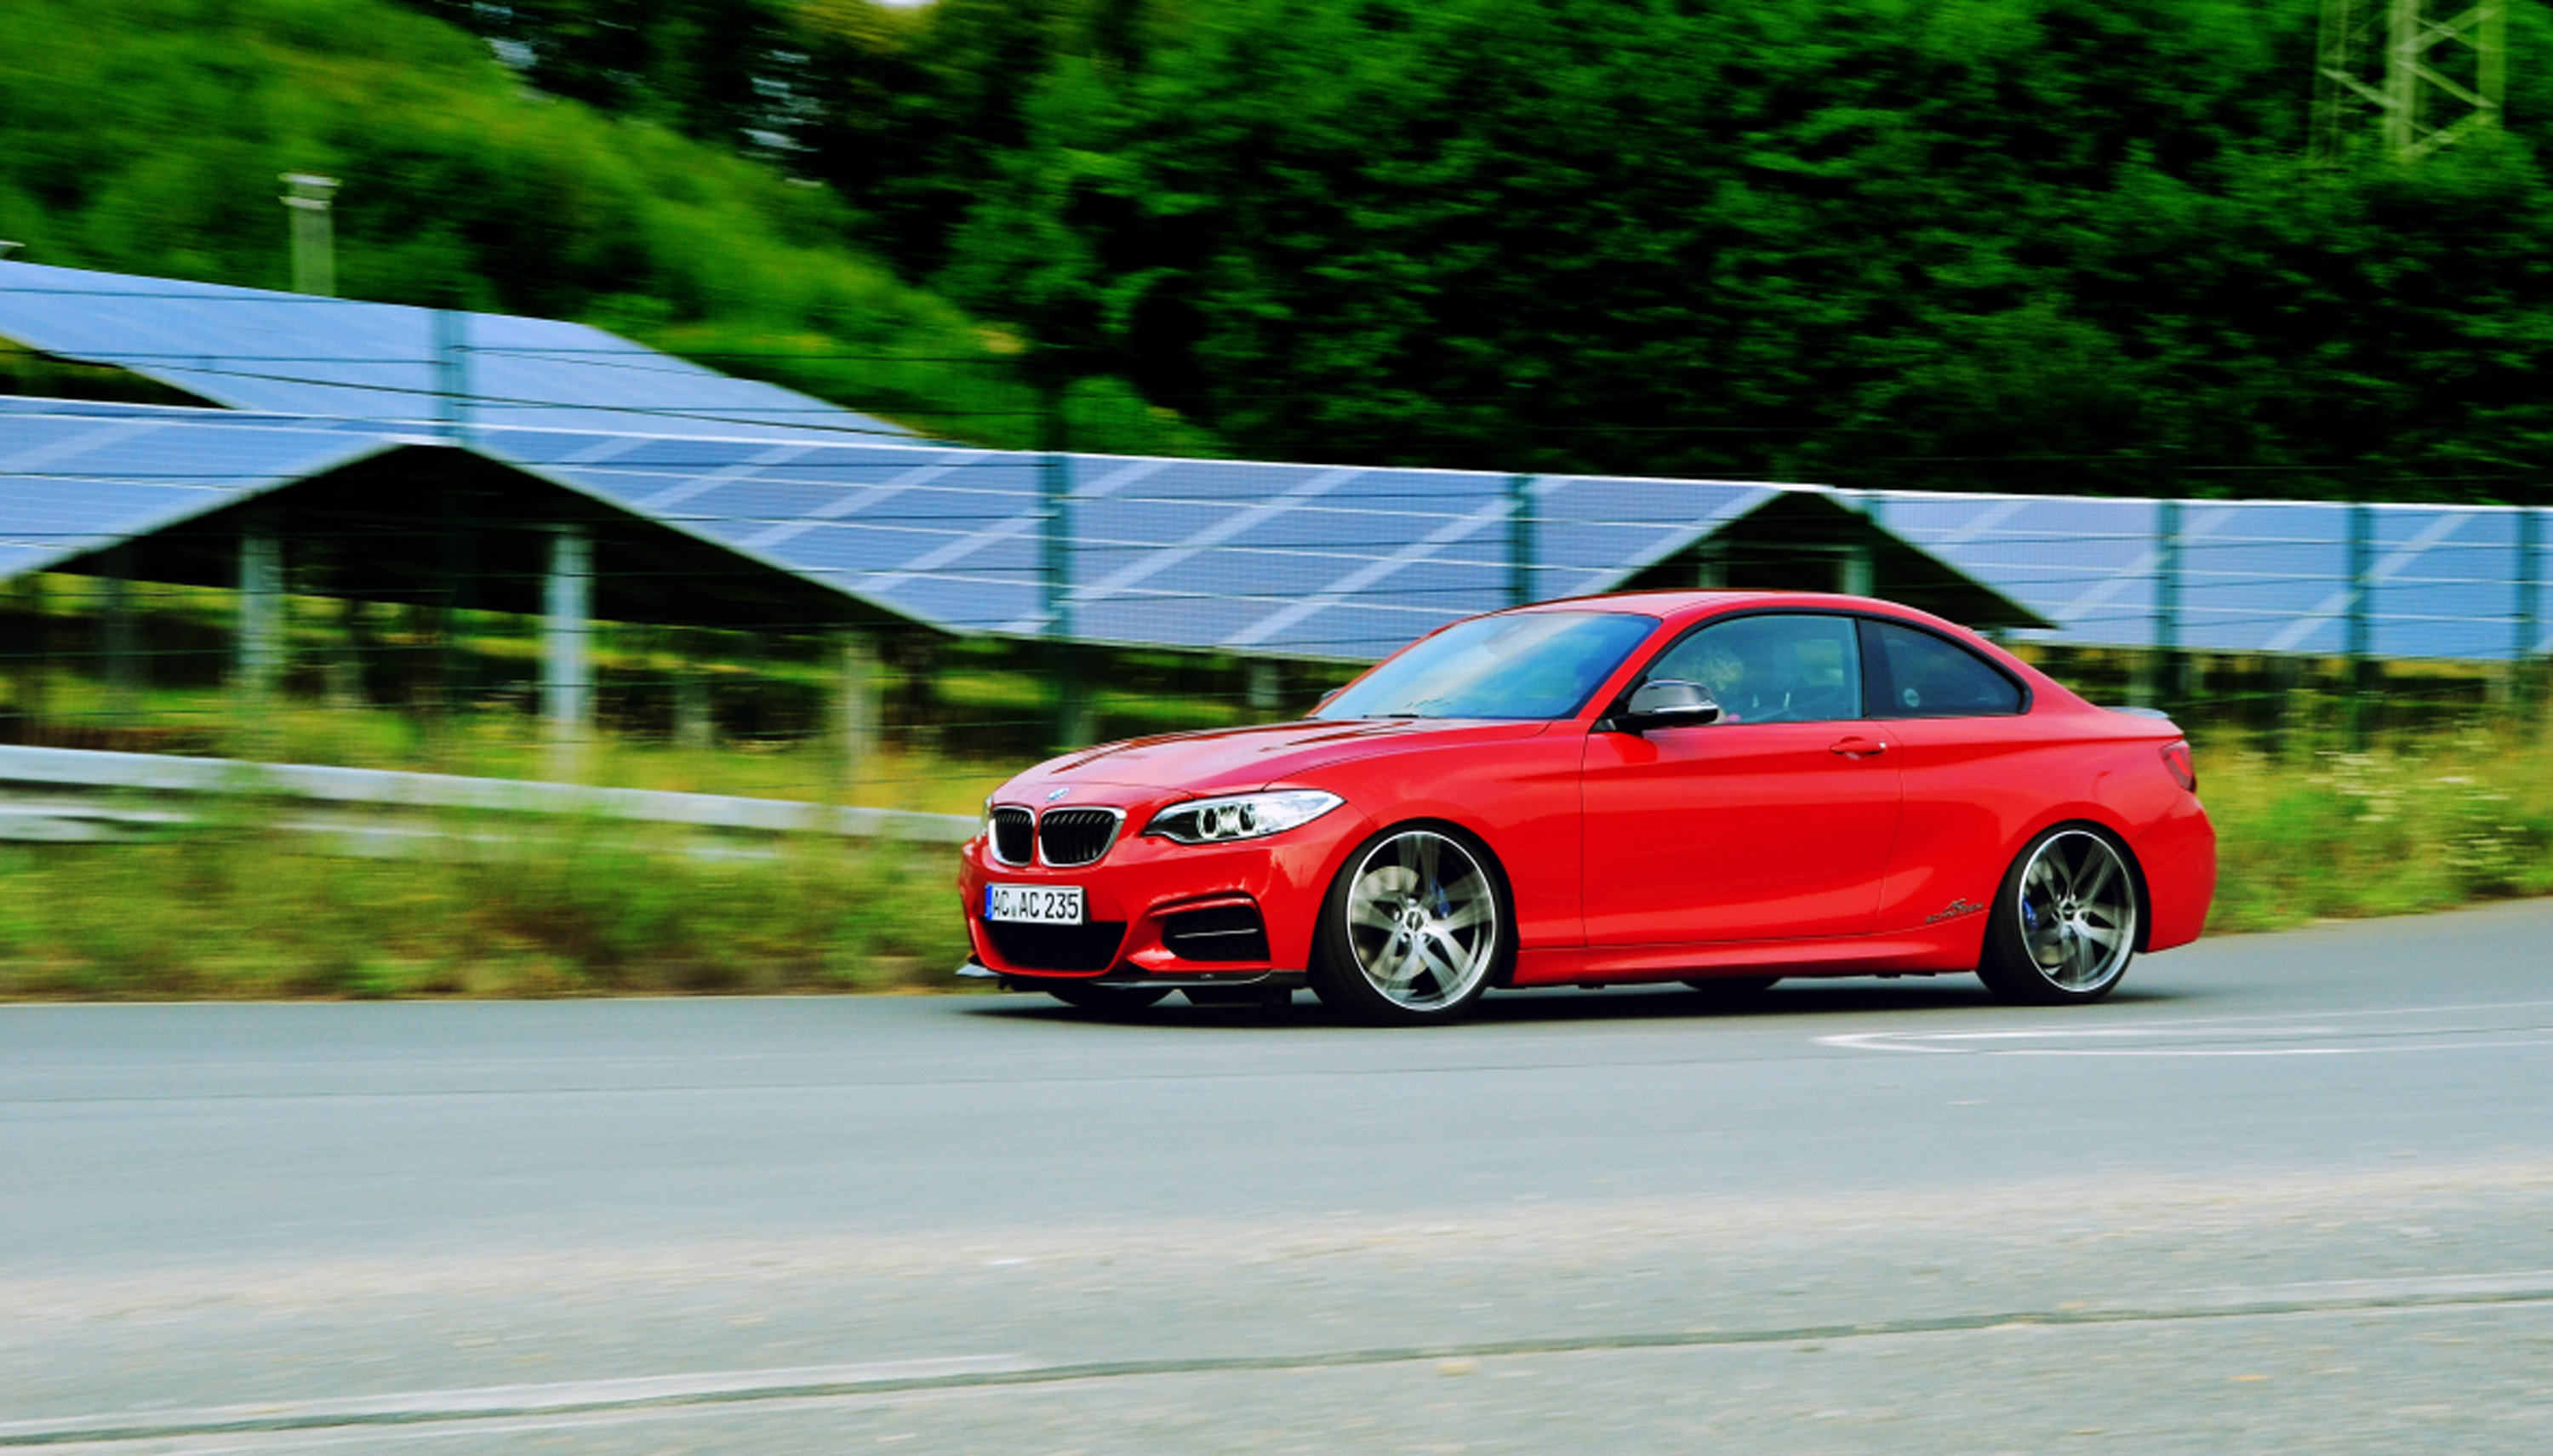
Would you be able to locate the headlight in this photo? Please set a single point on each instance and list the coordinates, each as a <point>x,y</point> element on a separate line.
<point>1241,816</point>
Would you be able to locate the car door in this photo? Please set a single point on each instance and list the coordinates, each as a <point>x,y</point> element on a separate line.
<point>1773,823</point>
<point>1966,746</point>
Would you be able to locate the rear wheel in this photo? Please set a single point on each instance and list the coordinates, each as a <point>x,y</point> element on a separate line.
<point>2063,925</point>
<point>1413,928</point>
<point>1090,996</point>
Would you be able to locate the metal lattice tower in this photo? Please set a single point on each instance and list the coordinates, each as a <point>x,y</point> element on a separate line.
<point>2421,76</point>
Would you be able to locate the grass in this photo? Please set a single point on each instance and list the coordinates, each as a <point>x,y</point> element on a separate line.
<point>2418,822</point>
<point>233,911</point>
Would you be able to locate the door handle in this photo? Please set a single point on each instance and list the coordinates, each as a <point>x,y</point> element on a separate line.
<point>1857,747</point>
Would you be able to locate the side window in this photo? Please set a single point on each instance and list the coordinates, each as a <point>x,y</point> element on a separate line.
<point>1773,668</point>
<point>1915,674</point>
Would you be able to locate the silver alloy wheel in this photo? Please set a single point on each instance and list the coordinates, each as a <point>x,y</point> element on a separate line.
<point>1422,919</point>
<point>2077,911</point>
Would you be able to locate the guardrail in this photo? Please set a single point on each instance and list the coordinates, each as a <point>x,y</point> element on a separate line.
<point>78,795</point>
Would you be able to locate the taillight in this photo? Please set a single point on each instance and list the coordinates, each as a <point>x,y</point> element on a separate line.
<point>2176,758</point>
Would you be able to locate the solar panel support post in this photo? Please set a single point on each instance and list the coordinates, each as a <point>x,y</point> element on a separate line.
<point>258,642</point>
<point>2171,675</point>
<point>118,632</point>
<point>1070,728</point>
<point>567,628</point>
<point>692,725</point>
<point>1267,687</point>
<point>1520,539</point>
<point>452,372</point>
<point>2361,587</point>
<point>1711,563</point>
<point>2529,612</point>
<point>30,670</point>
<point>859,701</point>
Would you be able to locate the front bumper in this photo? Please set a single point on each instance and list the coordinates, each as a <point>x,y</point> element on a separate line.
<point>1140,884</point>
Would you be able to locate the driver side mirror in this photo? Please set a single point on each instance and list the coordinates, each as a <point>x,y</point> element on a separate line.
<point>1667,703</point>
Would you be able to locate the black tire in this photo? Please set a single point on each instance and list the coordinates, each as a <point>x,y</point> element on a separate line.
<point>1733,990</point>
<point>1116,1000</point>
<point>2045,931</point>
<point>1449,935</point>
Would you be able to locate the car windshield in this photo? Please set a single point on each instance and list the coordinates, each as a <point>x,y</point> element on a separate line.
<point>1531,664</point>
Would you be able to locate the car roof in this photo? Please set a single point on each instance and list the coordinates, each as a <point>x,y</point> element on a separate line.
<point>1703,602</point>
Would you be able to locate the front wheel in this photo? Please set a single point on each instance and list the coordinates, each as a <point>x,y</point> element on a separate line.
<point>2064,923</point>
<point>1413,928</point>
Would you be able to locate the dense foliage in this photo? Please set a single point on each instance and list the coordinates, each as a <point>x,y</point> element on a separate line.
<point>2033,242</point>
<point>2055,244</point>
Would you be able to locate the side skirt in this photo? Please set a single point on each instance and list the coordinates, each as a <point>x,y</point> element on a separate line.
<point>1952,947</point>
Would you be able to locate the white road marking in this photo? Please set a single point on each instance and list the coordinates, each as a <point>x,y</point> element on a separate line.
<point>485,1401</point>
<point>2246,1036</point>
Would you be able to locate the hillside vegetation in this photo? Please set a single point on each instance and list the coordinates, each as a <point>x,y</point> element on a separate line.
<point>145,136</point>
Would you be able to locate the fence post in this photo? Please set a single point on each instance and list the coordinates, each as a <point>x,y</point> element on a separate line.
<point>2362,545</point>
<point>1520,542</point>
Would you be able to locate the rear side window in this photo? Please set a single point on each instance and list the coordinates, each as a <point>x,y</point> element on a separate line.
<point>1915,674</point>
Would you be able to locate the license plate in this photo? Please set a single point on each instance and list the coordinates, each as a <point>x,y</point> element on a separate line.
<point>1036,904</point>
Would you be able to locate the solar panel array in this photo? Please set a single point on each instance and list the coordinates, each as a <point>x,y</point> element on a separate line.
<point>75,484</point>
<point>295,354</point>
<point>2270,576</point>
<point>1294,560</point>
<point>1321,561</point>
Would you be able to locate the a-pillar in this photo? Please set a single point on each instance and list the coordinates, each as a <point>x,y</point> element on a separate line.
<point>859,703</point>
<point>567,636</point>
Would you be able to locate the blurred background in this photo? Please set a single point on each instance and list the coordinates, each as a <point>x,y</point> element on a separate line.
<point>753,402</point>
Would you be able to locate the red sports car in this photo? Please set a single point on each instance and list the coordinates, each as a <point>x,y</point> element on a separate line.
<point>1720,788</point>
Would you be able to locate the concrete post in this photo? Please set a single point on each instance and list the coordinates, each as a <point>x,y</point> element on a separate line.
<point>1267,687</point>
<point>859,706</point>
<point>352,654</point>
<point>693,725</point>
<point>1520,539</point>
<point>259,642</point>
<point>567,628</point>
<point>1855,573</point>
<point>2358,642</point>
<point>2529,613</point>
<point>1711,563</point>
<point>119,632</point>
<point>28,663</point>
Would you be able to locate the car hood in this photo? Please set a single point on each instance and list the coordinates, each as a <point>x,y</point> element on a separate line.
<point>1234,759</point>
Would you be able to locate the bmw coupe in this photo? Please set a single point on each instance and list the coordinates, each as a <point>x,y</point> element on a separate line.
<point>1720,788</point>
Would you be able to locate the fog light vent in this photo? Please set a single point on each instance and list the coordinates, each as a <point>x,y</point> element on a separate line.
<point>1219,933</point>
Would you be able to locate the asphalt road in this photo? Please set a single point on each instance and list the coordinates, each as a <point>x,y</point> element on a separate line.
<point>2282,1192</point>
